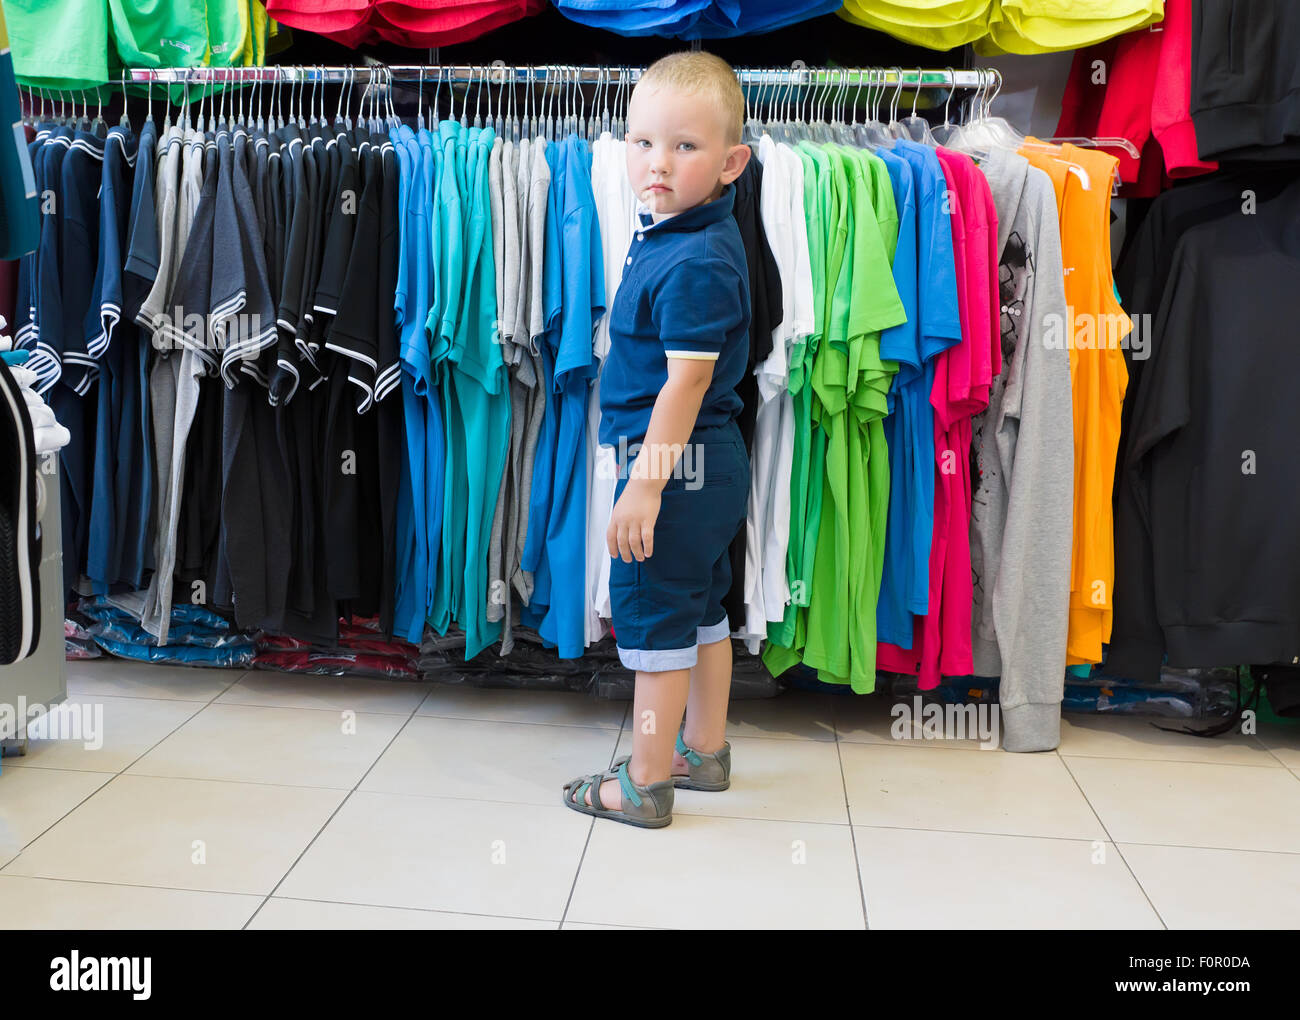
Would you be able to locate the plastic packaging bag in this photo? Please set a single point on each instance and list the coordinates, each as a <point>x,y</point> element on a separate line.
<point>533,666</point>
<point>337,663</point>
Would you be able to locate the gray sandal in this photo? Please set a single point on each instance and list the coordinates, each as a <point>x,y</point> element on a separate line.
<point>649,807</point>
<point>708,772</point>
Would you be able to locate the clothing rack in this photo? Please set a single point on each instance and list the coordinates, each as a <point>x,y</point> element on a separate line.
<point>500,73</point>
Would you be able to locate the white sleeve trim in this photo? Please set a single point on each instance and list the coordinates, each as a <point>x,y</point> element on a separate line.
<point>693,355</point>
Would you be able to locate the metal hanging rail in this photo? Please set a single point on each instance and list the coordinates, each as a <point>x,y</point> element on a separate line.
<point>499,73</point>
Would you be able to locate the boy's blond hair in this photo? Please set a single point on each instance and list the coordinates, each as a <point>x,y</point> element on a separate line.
<point>697,72</point>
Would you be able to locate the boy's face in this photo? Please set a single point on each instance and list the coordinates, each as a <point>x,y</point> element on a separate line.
<point>678,156</point>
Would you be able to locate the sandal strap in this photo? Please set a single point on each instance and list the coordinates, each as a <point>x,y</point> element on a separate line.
<point>595,791</point>
<point>629,790</point>
<point>691,756</point>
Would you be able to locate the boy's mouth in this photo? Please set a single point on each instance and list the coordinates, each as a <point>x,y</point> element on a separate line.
<point>659,188</point>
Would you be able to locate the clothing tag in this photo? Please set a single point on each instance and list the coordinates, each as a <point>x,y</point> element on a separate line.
<point>24,160</point>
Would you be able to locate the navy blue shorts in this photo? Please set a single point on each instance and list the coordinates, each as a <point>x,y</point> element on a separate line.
<point>663,607</point>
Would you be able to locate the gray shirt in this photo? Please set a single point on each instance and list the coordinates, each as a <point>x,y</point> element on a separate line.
<point>1023,509</point>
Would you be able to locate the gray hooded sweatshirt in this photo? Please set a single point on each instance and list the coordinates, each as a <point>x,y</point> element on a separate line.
<point>1022,519</point>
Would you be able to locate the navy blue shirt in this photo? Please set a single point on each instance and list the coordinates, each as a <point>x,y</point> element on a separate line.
<point>684,293</point>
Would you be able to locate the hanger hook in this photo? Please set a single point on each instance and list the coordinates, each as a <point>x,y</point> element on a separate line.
<point>917,93</point>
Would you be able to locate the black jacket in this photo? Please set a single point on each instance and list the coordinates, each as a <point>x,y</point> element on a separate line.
<point>1208,551</point>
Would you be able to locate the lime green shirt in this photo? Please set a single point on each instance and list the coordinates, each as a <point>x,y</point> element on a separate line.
<point>845,586</point>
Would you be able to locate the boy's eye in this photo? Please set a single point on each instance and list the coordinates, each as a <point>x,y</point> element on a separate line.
<point>688,146</point>
<point>643,142</point>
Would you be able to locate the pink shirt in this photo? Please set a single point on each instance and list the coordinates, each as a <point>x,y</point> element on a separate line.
<point>963,377</point>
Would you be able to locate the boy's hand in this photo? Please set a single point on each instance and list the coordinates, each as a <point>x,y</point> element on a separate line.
<point>631,532</point>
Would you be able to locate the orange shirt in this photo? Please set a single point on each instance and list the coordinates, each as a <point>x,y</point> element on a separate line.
<point>1098,379</point>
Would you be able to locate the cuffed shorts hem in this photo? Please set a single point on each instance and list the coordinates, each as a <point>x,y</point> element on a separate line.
<point>657,660</point>
<point>714,632</point>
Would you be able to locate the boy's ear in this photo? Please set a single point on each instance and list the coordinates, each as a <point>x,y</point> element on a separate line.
<point>737,160</point>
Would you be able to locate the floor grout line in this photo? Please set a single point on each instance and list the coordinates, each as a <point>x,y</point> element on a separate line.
<point>853,837</point>
<point>591,829</point>
<point>333,814</point>
<point>1110,839</point>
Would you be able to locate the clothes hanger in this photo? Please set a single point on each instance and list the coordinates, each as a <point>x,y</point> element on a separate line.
<point>581,100</point>
<point>478,97</point>
<point>394,121</point>
<point>419,101</point>
<point>895,129</point>
<point>308,113</point>
<point>544,126</point>
<point>616,127</point>
<point>124,121</point>
<point>560,111</point>
<point>750,132</point>
<point>222,123</point>
<point>526,105</point>
<point>531,99</point>
<point>604,110</point>
<point>565,100</point>
<point>917,128</point>
<point>987,129</point>
<point>499,121</point>
<point>578,109</point>
<point>823,131</point>
<point>322,117</point>
<point>843,132</point>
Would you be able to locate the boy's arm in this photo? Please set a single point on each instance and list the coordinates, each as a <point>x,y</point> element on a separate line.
<point>631,525</point>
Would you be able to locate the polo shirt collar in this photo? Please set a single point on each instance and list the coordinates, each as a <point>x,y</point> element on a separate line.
<point>691,219</point>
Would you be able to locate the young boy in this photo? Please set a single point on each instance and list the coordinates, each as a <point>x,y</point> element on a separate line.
<point>668,405</point>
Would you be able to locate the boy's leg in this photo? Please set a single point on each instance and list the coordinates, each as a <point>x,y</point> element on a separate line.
<point>656,716</point>
<point>706,707</point>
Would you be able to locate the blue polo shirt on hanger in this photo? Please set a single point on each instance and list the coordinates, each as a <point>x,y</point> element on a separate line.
<point>938,327</point>
<point>434,432</point>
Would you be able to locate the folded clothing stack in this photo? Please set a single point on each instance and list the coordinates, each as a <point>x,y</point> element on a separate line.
<point>196,636</point>
<point>415,23</point>
<point>361,651</point>
<point>693,19</point>
<point>1004,26</point>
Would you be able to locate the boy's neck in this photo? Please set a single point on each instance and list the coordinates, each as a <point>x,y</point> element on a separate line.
<point>713,197</point>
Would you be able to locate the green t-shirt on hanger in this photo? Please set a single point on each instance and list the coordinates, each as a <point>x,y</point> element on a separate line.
<point>841,614</point>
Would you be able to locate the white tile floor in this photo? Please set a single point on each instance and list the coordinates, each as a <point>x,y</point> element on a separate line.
<point>221,800</point>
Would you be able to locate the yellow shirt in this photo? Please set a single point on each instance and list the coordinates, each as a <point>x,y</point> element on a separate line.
<point>1043,26</point>
<point>937,24</point>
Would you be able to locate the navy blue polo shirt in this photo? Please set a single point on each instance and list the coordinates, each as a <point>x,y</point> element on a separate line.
<point>684,293</point>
